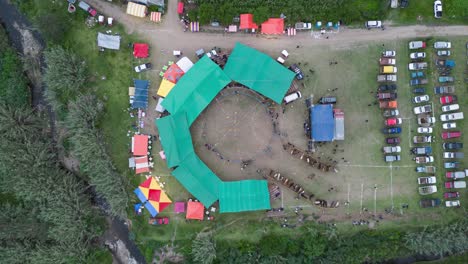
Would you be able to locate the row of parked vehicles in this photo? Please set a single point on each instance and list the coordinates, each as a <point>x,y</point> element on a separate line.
<point>387,97</point>
<point>424,111</point>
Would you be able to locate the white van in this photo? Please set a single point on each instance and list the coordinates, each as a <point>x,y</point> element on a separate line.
<point>292,97</point>
<point>280,60</point>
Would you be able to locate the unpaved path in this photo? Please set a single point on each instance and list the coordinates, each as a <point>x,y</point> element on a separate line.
<point>169,34</point>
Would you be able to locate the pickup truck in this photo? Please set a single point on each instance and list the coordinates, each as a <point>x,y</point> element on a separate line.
<point>426,203</point>
<point>454,203</point>
<point>446,79</point>
<point>422,139</point>
<point>454,155</point>
<point>424,159</point>
<point>455,184</point>
<point>386,78</point>
<point>387,61</point>
<point>386,96</point>
<point>422,150</point>
<point>86,7</point>
<point>426,120</point>
<point>427,180</point>
<point>426,169</point>
<point>425,190</point>
<point>387,87</point>
<point>391,112</point>
<point>452,116</point>
<point>445,63</point>
<point>414,82</point>
<point>391,149</point>
<point>388,104</point>
<point>302,25</point>
<point>450,89</point>
<point>422,109</point>
<point>417,66</point>
<point>451,165</point>
<point>388,69</point>
<point>392,158</point>
<point>456,174</point>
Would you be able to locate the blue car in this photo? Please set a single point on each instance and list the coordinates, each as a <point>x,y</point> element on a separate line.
<point>417,74</point>
<point>420,90</point>
<point>391,130</point>
<point>451,165</point>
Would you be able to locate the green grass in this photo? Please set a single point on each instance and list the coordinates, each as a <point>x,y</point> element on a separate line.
<point>422,12</point>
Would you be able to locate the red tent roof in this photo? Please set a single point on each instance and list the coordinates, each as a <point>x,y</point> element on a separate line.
<point>195,210</point>
<point>246,22</point>
<point>180,8</point>
<point>174,73</point>
<point>273,26</point>
<point>140,145</point>
<point>140,50</point>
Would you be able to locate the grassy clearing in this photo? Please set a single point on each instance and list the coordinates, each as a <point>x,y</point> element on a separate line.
<point>422,12</point>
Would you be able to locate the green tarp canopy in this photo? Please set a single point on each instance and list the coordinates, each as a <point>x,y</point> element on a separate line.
<point>195,90</point>
<point>259,72</point>
<point>198,179</point>
<point>176,139</point>
<point>247,195</point>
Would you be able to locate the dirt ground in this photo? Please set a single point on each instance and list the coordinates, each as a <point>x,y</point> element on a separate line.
<point>239,127</point>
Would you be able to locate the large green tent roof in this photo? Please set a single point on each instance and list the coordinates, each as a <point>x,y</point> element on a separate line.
<point>259,72</point>
<point>247,195</point>
<point>196,89</point>
<point>198,179</point>
<point>176,139</point>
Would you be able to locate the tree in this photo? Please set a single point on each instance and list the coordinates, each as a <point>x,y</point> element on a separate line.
<point>226,13</point>
<point>272,245</point>
<point>52,26</point>
<point>204,248</point>
<point>206,13</point>
<point>261,14</point>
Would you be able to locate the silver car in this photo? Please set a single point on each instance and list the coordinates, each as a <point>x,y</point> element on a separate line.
<point>442,45</point>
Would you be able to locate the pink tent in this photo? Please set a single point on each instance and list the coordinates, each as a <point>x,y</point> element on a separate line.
<point>179,207</point>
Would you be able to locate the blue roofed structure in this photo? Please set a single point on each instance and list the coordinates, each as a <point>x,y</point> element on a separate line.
<point>322,123</point>
<point>140,100</point>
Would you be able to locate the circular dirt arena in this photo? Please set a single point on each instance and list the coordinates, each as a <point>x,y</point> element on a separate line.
<point>236,126</point>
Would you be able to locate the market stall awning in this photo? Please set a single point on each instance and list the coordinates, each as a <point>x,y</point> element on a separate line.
<point>246,22</point>
<point>165,87</point>
<point>173,73</point>
<point>140,99</point>
<point>152,196</point>
<point>247,195</point>
<point>273,26</point>
<point>137,10</point>
<point>179,207</point>
<point>180,8</point>
<point>140,145</point>
<point>322,122</point>
<point>140,50</point>
<point>108,41</point>
<point>142,165</point>
<point>185,64</point>
<point>195,210</point>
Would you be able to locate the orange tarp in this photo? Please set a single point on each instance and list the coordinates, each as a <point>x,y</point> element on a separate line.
<point>273,26</point>
<point>246,22</point>
<point>140,145</point>
<point>195,210</point>
<point>174,73</point>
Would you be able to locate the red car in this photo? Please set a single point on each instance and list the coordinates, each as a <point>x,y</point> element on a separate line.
<point>449,195</point>
<point>158,221</point>
<point>448,99</point>
<point>451,134</point>
<point>393,121</point>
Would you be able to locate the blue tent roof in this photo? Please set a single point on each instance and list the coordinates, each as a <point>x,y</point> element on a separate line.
<point>143,199</point>
<point>322,122</point>
<point>140,99</point>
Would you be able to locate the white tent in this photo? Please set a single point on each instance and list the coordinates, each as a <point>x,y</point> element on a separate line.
<point>108,41</point>
<point>185,64</point>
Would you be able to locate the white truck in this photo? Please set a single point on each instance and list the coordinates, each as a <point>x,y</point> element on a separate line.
<point>302,25</point>
<point>427,180</point>
<point>391,149</point>
<point>425,190</point>
<point>456,174</point>
<point>386,78</point>
<point>424,159</point>
<point>452,116</point>
<point>422,109</point>
<point>417,66</point>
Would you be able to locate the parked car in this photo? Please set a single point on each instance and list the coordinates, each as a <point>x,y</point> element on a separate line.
<point>373,24</point>
<point>388,54</point>
<point>445,64</point>
<point>414,82</point>
<point>449,125</point>
<point>297,70</point>
<point>418,74</point>
<point>158,221</point>
<point>455,174</point>
<point>426,203</point>
<point>452,145</point>
<point>386,96</point>
<point>425,169</point>
<point>418,55</point>
<point>422,139</point>
<point>419,90</point>
<point>424,130</point>
<point>386,78</point>
<point>387,61</point>
<point>427,180</point>
<point>446,79</point>
<point>452,116</point>
<point>387,87</point>
<point>443,53</point>
<point>292,97</point>
<point>425,190</point>
<point>455,185</point>
<point>454,155</point>
<point>426,120</point>
<point>451,165</point>
<point>451,134</point>
<point>391,112</point>
<point>391,149</point>
<point>442,45</point>
<point>452,107</point>
<point>417,66</point>
<point>86,7</point>
<point>417,45</point>
<point>391,130</point>
<point>437,9</point>
<point>143,67</point>
<point>388,69</point>
<point>450,195</point>
<point>392,140</point>
<point>388,104</point>
<point>328,100</point>
<point>421,99</point>
<point>448,99</point>
<point>422,109</point>
<point>393,121</point>
<point>454,203</point>
<point>427,150</point>
<point>404,3</point>
<point>450,89</point>
<point>392,158</point>
<point>424,159</point>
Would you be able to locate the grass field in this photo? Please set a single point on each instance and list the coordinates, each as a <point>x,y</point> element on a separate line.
<point>422,12</point>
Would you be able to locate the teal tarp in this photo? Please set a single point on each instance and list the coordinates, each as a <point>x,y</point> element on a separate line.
<point>259,72</point>
<point>247,195</point>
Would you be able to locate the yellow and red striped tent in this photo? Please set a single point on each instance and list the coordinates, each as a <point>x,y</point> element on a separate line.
<point>137,10</point>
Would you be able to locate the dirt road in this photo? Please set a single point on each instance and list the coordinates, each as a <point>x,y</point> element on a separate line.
<point>169,34</point>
